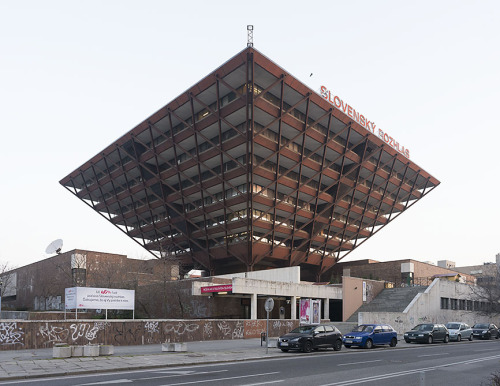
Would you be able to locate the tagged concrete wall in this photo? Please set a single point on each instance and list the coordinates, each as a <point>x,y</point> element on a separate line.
<point>16,335</point>
<point>426,308</point>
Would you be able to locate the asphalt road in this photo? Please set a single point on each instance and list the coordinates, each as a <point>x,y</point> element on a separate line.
<point>463,363</point>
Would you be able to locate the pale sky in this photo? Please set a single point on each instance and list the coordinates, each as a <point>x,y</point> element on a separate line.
<point>77,75</point>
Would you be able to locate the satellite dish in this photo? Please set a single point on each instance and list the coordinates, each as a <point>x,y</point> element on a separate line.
<point>54,247</point>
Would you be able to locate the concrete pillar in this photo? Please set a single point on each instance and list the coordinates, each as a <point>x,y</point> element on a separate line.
<point>253,307</point>
<point>293,306</point>
<point>326,308</point>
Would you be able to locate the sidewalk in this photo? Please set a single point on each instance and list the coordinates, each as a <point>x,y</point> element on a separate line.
<point>35,363</point>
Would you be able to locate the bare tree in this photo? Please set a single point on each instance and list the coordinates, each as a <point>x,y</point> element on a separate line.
<point>487,295</point>
<point>7,279</point>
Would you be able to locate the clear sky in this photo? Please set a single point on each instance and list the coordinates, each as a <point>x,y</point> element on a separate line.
<point>76,75</point>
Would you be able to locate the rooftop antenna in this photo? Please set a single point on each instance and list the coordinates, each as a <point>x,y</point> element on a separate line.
<point>54,247</point>
<point>249,35</point>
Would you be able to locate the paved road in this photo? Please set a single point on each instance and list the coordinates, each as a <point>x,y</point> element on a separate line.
<point>457,364</point>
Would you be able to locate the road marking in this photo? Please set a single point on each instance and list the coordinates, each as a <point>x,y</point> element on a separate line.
<point>357,363</point>
<point>264,383</point>
<point>408,372</point>
<point>180,372</point>
<point>108,382</point>
<point>222,379</point>
<point>432,355</point>
<point>186,373</point>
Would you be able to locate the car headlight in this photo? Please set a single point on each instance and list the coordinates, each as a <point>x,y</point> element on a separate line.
<point>484,331</point>
<point>420,334</point>
<point>358,338</point>
<point>406,334</point>
<point>294,340</point>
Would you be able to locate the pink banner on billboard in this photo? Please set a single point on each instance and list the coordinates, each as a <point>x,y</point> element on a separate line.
<point>217,288</point>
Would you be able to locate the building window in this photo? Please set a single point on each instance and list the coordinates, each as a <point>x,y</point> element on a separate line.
<point>445,302</point>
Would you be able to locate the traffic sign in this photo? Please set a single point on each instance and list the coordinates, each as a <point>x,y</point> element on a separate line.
<point>269,304</point>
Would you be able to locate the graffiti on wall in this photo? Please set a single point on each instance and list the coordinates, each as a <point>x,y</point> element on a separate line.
<point>53,334</point>
<point>87,330</point>
<point>181,328</point>
<point>253,328</point>
<point>151,327</point>
<point>11,334</point>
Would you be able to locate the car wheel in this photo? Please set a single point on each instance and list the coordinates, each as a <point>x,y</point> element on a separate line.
<point>446,339</point>
<point>471,337</point>
<point>337,346</point>
<point>347,346</point>
<point>496,337</point>
<point>308,346</point>
<point>430,340</point>
<point>284,349</point>
<point>394,342</point>
<point>369,344</point>
<point>459,338</point>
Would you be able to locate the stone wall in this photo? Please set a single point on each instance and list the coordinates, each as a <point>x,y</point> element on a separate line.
<point>16,335</point>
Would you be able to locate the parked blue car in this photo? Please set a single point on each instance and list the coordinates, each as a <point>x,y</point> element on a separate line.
<point>369,335</point>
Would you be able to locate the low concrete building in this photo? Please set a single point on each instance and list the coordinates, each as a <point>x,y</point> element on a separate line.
<point>441,302</point>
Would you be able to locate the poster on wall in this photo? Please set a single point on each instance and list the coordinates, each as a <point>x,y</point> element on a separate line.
<point>310,311</point>
<point>305,311</point>
<point>99,298</point>
<point>316,312</point>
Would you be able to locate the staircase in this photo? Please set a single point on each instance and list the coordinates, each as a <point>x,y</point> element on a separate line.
<point>389,300</point>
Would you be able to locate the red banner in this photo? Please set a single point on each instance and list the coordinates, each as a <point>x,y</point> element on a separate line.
<point>217,288</point>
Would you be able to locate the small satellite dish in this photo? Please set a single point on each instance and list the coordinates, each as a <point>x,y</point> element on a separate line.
<point>54,247</point>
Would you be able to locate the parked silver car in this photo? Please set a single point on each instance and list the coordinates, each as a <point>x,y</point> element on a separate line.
<point>459,331</point>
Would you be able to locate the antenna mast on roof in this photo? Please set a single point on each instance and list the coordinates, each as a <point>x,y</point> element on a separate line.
<point>249,35</point>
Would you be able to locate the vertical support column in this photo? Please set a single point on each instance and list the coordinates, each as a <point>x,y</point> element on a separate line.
<point>293,304</point>
<point>326,308</point>
<point>253,307</point>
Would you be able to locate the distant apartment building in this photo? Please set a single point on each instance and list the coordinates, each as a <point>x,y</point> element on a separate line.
<point>398,272</point>
<point>485,273</point>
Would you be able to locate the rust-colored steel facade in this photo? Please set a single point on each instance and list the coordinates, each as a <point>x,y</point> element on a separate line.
<point>250,169</point>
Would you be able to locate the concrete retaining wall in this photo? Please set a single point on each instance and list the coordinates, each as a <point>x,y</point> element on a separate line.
<point>15,335</point>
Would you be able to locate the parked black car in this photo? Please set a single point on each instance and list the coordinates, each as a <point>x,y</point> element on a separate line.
<point>427,333</point>
<point>307,338</point>
<point>485,331</point>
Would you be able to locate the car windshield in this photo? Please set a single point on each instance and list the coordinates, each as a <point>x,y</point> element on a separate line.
<point>303,329</point>
<point>364,328</point>
<point>453,326</point>
<point>480,325</point>
<point>424,327</point>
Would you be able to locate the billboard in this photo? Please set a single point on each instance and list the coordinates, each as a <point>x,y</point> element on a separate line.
<point>99,298</point>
